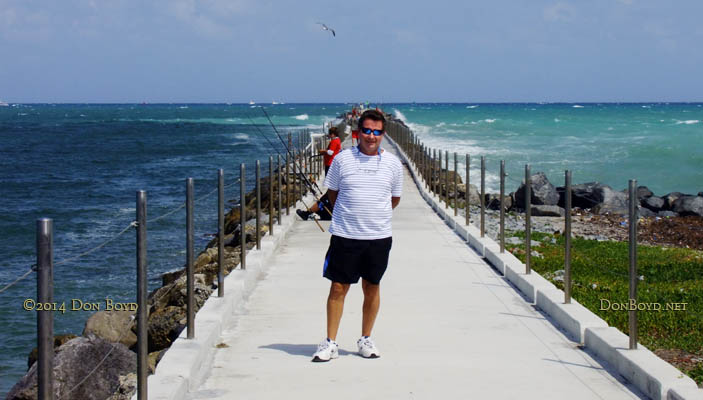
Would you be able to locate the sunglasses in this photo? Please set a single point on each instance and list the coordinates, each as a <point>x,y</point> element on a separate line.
<point>376,132</point>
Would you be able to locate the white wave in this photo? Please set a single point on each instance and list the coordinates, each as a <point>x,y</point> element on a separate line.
<point>183,107</point>
<point>610,128</point>
<point>419,128</point>
<point>471,106</point>
<point>646,106</point>
<point>302,117</point>
<point>557,120</point>
<point>242,136</point>
<point>441,124</point>
<point>688,122</point>
<point>489,120</point>
<point>399,115</point>
<point>577,106</point>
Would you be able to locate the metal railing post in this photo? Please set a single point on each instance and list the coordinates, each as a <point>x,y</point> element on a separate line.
<point>45,318</point>
<point>433,166</point>
<point>528,225</point>
<point>633,264</point>
<point>280,200</point>
<point>567,237</point>
<point>220,233</point>
<point>142,299</point>
<point>446,179</point>
<point>270,195</point>
<point>287,183</point>
<point>190,304</point>
<point>243,215</point>
<point>468,191</point>
<point>502,206</point>
<point>439,153</point>
<point>483,196</point>
<point>456,185</point>
<point>258,205</point>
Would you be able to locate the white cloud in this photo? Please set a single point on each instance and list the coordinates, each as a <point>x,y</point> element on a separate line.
<point>559,12</point>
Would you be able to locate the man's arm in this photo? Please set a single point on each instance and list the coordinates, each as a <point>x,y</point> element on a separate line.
<point>332,195</point>
<point>394,201</point>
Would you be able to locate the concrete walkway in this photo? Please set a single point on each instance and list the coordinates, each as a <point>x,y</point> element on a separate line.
<point>449,327</point>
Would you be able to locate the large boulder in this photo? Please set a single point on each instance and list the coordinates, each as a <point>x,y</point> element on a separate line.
<point>493,201</point>
<point>670,198</point>
<point>643,192</point>
<point>59,340</point>
<point>164,327</point>
<point>601,198</point>
<point>613,202</point>
<point>547,211</point>
<point>646,212</point>
<point>653,203</point>
<point>113,326</point>
<point>688,205</point>
<point>542,192</point>
<point>474,196</point>
<point>74,361</point>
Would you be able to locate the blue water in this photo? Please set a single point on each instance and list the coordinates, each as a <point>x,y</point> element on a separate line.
<point>82,164</point>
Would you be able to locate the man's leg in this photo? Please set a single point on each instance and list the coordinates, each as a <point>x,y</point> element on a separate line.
<point>372,301</point>
<point>335,307</point>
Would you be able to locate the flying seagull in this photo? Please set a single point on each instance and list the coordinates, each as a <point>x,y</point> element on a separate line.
<point>325,27</point>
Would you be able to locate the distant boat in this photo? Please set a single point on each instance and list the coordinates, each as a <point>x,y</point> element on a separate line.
<point>274,102</point>
<point>251,102</point>
<point>3,104</point>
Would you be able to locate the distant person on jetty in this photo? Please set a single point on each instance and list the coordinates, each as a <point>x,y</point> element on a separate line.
<point>365,184</point>
<point>333,148</point>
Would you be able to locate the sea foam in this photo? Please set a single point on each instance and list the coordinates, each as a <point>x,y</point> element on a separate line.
<point>688,122</point>
<point>399,115</point>
<point>302,117</point>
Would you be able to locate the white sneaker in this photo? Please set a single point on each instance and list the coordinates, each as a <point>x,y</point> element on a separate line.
<point>326,351</point>
<point>367,348</point>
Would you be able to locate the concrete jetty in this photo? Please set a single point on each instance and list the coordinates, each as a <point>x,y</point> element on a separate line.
<point>453,324</point>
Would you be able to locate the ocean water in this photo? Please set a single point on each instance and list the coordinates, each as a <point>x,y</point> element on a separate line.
<point>82,165</point>
<point>660,145</point>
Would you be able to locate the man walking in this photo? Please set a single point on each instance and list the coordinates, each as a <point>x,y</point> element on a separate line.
<point>365,184</point>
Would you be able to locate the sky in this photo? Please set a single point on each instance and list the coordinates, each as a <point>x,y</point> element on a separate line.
<point>233,51</point>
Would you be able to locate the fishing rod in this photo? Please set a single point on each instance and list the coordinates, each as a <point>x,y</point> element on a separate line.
<point>288,150</point>
<point>294,165</point>
<point>307,182</point>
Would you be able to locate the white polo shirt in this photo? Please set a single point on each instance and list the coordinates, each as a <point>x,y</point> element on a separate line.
<point>365,184</point>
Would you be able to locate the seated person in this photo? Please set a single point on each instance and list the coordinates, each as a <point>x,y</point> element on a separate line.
<point>320,208</point>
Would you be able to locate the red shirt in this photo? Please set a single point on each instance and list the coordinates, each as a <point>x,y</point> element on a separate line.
<point>336,146</point>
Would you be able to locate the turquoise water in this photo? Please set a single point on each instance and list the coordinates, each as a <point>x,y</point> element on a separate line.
<point>82,164</point>
<point>660,145</point>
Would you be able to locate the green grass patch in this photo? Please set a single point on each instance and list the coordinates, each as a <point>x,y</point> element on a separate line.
<point>668,277</point>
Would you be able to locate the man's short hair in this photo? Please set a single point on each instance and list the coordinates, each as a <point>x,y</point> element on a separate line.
<point>333,131</point>
<point>374,116</point>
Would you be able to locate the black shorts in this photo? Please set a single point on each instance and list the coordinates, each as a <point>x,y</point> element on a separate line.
<point>349,259</point>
